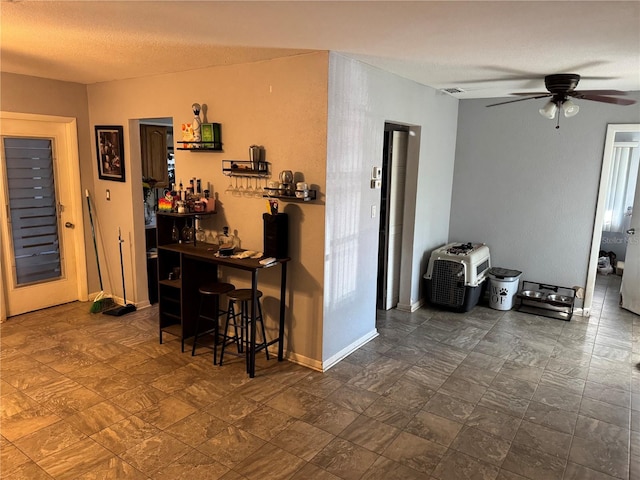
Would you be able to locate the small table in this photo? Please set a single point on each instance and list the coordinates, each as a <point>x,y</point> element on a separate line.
<point>193,260</point>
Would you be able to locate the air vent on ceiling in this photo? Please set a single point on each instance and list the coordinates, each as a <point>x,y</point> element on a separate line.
<point>452,90</point>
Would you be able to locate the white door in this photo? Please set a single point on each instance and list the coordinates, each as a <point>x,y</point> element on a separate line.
<point>41,238</point>
<point>630,289</point>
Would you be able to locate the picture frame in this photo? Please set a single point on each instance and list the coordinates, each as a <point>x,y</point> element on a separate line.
<point>110,152</point>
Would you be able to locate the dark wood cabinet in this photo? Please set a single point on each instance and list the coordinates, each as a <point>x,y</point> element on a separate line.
<point>153,148</point>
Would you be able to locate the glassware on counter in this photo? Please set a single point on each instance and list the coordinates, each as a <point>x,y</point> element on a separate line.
<point>200,233</point>
<point>225,238</point>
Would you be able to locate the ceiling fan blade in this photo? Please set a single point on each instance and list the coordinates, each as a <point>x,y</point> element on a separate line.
<point>601,92</point>
<point>518,100</point>
<point>511,78</point>
<point>592,77</point>
<point>602,98</point>
<point>507,74</point>
<point>531,93</point>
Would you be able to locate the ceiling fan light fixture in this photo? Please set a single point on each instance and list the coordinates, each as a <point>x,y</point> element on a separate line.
<point>549,110</point>
<point>569,108</point>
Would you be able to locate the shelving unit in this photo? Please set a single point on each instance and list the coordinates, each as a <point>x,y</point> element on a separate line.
<point>201,146</point>
<point>245,168</point>
<point>171,308</point>
<point>547,300</point>
<point>275,193</point>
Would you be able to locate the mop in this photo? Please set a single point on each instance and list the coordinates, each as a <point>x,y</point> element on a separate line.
<point>101,301</point>
<point>127,307</point>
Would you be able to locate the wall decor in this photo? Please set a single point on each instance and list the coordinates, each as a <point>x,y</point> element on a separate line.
<point>110,150</point>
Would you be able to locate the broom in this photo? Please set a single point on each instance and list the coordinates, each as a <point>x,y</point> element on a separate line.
<point>101,301</point>
<point>120,310</point>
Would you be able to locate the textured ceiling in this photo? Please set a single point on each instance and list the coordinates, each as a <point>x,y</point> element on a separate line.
<point>487,49</point>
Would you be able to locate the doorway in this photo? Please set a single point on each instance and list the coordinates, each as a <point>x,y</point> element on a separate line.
<point>43,251</point>
<point>394,169</point>
<point>631,276</point>
<point>158,173</point>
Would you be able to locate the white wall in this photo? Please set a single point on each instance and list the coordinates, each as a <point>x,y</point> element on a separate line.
<point>361,100</point>
<point>529,191</point>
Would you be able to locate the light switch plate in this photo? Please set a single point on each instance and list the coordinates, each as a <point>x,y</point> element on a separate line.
<point>376,183</point>
<point>376,173</point>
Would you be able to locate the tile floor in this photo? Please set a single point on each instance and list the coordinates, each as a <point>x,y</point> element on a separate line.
<point>438,395</point>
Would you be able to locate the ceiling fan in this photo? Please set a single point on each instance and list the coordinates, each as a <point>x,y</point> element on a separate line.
<point>561,87</point>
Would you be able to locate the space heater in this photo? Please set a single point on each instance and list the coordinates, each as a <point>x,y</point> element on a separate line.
<point>456,274</point>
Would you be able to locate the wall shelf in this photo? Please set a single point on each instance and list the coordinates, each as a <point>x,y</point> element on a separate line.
<point>184,215</point>
<point>245,168</point>
<point>274,193</point>
<point>200,146</point>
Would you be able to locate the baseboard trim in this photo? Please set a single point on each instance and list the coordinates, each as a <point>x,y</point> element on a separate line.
<point>334,359</point>
<point>304,361</point>
<point>404,307</point>
<point>348,350</point>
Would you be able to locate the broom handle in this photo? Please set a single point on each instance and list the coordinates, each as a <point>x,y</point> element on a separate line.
<point>93,235</point>
<point>124,292</point>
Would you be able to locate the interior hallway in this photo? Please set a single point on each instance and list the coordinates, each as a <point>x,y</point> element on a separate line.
<point>438,395</point>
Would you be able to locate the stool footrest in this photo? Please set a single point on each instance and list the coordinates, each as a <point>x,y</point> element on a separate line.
<point>241,323</point>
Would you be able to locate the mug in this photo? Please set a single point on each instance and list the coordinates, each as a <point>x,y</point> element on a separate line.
<point>302,186</point>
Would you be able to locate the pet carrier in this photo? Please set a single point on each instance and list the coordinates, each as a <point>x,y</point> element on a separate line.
<point>456,274</point>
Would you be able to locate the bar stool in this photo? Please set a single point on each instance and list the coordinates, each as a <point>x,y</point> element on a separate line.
<point>241,322</point>
<point>210,292</point>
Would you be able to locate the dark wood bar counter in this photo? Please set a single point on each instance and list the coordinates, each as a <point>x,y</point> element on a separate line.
<point>182,268</point>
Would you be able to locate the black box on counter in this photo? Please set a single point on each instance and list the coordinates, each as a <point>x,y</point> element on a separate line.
<point>276,235</point>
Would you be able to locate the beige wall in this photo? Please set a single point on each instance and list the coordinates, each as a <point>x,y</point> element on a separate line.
<point>23,94</point>
<point>280,104</point>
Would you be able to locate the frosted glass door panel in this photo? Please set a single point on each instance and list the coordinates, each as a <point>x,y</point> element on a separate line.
<point>32,210</point>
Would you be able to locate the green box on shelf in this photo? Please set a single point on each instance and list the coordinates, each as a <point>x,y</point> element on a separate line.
<point>206,132</point>
<point>210,133</point>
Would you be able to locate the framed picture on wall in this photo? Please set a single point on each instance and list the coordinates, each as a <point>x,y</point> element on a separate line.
<point>110,148</point>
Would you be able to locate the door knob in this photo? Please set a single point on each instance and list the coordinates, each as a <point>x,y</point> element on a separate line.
<point>631,231</point>
<point>69,225</point>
